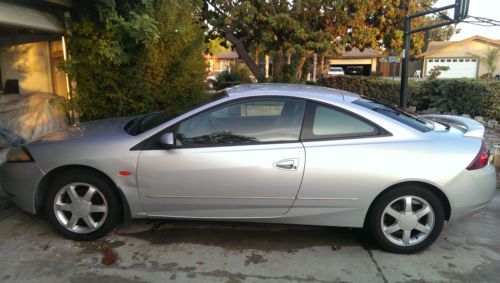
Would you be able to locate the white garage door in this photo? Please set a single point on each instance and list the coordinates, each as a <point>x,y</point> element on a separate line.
<point>459,67</point>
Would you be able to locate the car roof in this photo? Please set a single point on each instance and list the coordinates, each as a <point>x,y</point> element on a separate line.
<point>288,89</point>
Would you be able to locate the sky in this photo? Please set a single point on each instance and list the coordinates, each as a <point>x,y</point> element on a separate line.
<point>480,8</point>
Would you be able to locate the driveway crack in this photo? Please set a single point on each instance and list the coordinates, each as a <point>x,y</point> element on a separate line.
<point>379,269</point>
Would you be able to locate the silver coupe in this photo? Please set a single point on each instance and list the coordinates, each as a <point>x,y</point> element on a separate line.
<point>263,153</point>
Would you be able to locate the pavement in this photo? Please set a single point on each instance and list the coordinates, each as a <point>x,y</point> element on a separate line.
<point>194,251</point>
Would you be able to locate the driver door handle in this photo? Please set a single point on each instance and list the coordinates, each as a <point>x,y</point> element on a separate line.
<point>287,164</point>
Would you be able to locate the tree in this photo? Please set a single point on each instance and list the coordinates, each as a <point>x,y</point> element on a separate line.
<point>297,29</point>
<point>438,34</point>
<point>130,57</point>
<point>490,58</point>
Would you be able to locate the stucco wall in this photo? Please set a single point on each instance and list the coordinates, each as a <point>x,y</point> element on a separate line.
<point>35,65</point>
<point>28,63</point>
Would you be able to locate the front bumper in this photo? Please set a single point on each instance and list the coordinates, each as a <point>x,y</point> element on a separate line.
<point>471,191</point>
<point>20,181</point>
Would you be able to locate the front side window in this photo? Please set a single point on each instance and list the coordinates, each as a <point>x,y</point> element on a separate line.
<point>250,121</point>
<point>324,122</point>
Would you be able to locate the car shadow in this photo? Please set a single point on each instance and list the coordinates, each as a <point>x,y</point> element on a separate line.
<point>239,236</point>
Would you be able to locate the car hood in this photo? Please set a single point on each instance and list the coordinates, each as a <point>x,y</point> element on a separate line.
<point>92,129</point>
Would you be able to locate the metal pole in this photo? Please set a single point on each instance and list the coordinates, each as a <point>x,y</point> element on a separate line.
<point>405,64</point>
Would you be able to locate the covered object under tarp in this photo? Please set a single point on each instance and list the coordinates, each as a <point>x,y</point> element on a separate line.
<point>26,117</point>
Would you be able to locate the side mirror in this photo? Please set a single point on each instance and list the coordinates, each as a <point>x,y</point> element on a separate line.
<point>168,140</point>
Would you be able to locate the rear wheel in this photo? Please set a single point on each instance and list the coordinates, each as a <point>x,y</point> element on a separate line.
<point>82,206</point>
<point>406,220</point>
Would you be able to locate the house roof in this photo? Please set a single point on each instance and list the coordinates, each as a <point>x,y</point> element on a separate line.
<point>438,45</point>
<point>356,53</point>
<point>227,54</point>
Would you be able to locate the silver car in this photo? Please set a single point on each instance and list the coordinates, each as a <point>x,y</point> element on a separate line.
<point>262,153</point>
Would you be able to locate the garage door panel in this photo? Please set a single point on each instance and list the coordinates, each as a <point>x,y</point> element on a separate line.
<point>459,68</point>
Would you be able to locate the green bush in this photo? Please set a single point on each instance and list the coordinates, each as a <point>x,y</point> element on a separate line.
<point>383,90</point>
<point>131,57</point>
<point>237,74</point>
<point>470,96</point>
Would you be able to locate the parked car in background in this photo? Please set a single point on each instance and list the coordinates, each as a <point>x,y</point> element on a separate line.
<point>335,71</point>
<point>354,70</point>
<point>265,153</point>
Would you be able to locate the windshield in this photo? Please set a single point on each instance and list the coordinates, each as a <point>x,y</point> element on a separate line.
<point>148,121</point>
<point>397,114</point>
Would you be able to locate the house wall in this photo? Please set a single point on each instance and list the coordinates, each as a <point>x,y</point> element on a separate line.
<point>468,49</point>
<point>374,64</point>
<point>366,61</point>
<point>35,66</point>
<point>28,63</point>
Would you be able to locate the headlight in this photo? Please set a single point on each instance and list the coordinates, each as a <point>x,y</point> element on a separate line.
<point>19,155</point>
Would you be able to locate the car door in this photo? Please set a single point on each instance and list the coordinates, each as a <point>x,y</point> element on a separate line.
<point>243,159</point>
<point>345,155</point>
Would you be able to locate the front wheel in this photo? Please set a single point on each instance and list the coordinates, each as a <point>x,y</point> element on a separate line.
<point>82,206</point>
<point>406,219</point>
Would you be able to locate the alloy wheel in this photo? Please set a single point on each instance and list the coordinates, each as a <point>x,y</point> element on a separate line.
<point>408,220</point>
<point>80,208</point>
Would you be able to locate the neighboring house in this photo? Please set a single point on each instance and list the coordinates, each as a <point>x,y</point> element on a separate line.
<point>462,57</point>
<point>221,61</point>
<point>31,45</point>
<point>355,59</point>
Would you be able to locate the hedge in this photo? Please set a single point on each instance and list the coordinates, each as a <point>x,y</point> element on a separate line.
<point>463,96</point>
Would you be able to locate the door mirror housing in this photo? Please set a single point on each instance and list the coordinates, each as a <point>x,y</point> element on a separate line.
<point>167,140</point>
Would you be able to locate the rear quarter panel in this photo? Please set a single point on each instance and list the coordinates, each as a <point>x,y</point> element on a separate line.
<point>343,177</point>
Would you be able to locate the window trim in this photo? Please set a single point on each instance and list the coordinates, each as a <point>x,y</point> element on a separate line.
<point>152,143</point>
<point>307,134</point>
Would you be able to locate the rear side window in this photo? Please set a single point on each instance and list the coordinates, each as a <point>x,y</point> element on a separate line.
<point>408,119</point>
<point>324,122</point>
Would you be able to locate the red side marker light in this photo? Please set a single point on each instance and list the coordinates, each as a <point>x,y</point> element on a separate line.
<point>125,173</point>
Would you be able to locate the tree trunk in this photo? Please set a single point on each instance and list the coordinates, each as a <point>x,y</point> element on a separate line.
<point>242,52</point>
<point>300,66</point>
<point>279,64</point>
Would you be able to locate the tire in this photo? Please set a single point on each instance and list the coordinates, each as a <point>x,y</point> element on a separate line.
<point>92,201</point>
<point>382,220</point>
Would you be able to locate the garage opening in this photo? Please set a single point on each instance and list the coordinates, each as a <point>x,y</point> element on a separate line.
<point>355,69</point>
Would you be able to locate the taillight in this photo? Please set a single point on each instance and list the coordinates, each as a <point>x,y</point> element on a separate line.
<point>481,159</point>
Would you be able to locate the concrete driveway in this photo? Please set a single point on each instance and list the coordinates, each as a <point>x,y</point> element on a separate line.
<point>159,251</point>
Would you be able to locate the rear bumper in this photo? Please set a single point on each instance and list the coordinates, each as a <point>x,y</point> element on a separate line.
<point>471,191</point>
<point>19,181</point>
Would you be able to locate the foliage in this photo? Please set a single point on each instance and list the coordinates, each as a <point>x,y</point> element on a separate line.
<point>131,57</point>
<point>217,45</point>
<point>301,28</point>
<point>439,34</point>
<point>237,74</point>
<point>470,96</point>
<point>380,89</point>
<point>436,71</point>
<point>490,59</point>
<point>463,96</point>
